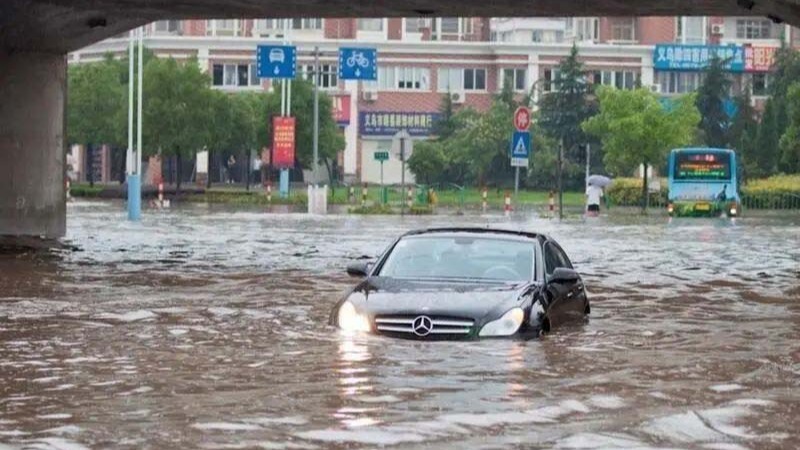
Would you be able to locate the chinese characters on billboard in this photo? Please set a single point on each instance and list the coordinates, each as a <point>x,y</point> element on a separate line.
<point>383,123</point>
<point>696,57</point>
<point>703,166</point>
<point>759,59</point>
<point>283,141</point>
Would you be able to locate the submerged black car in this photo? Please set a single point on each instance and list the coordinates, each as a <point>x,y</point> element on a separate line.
<point>455,283</point>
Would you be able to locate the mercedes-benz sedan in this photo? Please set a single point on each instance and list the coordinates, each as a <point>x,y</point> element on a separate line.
<point>456,283</point>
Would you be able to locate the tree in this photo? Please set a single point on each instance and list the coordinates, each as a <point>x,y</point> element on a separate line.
<point>711,97</point>
<point>636,128</point>
<point>790,141</point>
<point>95,112</point>
<point>743,131</point>
<point>568,105</point>
<point>176,113</point>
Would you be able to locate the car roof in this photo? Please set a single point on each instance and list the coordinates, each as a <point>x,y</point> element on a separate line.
<point>489,232</point>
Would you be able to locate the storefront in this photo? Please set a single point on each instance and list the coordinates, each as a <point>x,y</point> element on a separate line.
<point>376,129</point>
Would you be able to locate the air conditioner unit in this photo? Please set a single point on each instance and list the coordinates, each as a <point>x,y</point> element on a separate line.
<point>655,88</point>
<point>717,29</point>
<point>369,95</point>
<point>458,97</point>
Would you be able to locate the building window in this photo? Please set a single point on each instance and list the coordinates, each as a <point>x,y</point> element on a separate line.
<point>678,82</point>
<point>234,75</point>
<point>515,78</point>
<point>403,79</point>
<point>327,75</point>
<point>452,27</point>
<point>753,29</point>
<point>760,84</point>
<point>292,24</point>
<point>623,29</point>
<point>416,24</point>
<point>449,80</point>
<point>307,24</point>
<point>695,32</point>
<point>370,24</point>
<point>449,25</point>
<point>537,36</point>
<point>551,77</point>
<point>222,27</point>
<point>583,28</point>
<point>474,79</point>
<point>167,27</point>
<point>618,79</point>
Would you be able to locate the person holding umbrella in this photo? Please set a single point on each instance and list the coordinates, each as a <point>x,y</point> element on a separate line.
<point>594,192</point>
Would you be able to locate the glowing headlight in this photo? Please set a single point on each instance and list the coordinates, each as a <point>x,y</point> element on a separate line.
<point>733,210</point>
<point>506,325</point>
<point>351,320</point>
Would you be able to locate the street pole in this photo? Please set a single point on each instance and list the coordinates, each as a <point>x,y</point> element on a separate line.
<point>588,150</point>
<point>516,184</point>
<point>135,155</point>
<point>382,188</point>
<point>560,184</point>
<point>403,175</point>
<point>316,114</point>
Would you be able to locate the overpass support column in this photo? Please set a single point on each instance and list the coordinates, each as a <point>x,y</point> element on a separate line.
<point>33,90</point>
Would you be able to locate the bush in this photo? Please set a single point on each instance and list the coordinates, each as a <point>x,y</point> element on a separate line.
<point>628,192</point>
<point>84,190</point>
<point>777,184</point>
<point>377,208</point>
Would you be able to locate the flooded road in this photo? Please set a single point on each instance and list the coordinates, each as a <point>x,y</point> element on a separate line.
<point>207,329</point>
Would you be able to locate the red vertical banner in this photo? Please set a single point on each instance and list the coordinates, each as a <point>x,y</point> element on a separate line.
<point>341,109</point>
<point>283,141</point>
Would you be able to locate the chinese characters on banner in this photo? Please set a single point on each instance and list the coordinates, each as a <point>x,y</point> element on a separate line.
<point>696,57</point>
<point>383,123</point>
<point>759,59</point>
<point>283,142</point>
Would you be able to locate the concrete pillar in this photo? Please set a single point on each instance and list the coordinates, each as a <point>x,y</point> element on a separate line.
<point>32,128</point>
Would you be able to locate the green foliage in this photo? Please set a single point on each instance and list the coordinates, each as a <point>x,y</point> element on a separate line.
<point>375,209</point>
<point>428,162</point>
<point>742,133</point>
<point>768,139</point>
<point>790,141</point>
<point>628,192</point>
<point>710,99</point>
<point>777,184</point>
<point>95,106</point>
<point>635,128</point>
<point>775,120</point>
<point>562,111</point>
<point>176,110</point>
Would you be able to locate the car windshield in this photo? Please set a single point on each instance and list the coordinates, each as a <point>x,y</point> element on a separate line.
<point>460,257</point>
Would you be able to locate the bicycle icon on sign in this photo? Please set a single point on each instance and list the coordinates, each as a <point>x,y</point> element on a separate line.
<point>357,58</point>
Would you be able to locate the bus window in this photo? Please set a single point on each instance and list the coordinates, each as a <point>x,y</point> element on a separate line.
<point>702,166</point>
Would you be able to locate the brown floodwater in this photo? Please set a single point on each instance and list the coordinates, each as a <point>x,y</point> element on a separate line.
<point>206,328</point>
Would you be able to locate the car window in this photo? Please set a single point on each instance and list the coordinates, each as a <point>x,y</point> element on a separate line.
<point>554,257</point>
<point>465,257</point>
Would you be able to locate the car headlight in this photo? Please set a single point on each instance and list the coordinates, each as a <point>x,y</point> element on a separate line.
<point>350,320</point>
<point>506,325</point>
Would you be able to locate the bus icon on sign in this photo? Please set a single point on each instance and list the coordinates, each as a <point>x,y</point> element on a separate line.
<point>277,55</point>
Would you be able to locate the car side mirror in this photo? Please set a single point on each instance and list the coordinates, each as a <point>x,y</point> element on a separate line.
<point>564,275</point>
<point>358,269</point>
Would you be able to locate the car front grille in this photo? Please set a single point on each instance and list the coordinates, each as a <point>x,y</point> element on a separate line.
<point>422,325</point>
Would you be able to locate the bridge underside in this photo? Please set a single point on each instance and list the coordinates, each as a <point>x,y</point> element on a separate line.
<point>35,36</point>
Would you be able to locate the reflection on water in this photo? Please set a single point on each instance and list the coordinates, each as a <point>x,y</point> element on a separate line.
<point>206,329</point>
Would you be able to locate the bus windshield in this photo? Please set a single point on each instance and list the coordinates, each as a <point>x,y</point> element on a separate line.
<point>702,166</point>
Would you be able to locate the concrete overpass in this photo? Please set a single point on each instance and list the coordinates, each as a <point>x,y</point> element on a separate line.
<point>36,35</point>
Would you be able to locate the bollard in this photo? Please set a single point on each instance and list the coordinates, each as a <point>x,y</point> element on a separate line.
<point>269,193</point>
<point>507,203</point>
<point>410,197</point>
<point>161,195</point>
<point>69,196</point>
<point>351,198</point>
<point>364,195</point>
<point>484,195</point>
<point>551,202</point>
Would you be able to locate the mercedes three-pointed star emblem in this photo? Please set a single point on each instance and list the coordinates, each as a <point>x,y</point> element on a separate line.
<point>422,325</point>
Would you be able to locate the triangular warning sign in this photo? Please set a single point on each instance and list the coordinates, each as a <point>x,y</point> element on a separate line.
<point>519,149</point>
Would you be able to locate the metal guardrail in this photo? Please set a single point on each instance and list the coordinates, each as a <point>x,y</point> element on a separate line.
<point>770,201</point>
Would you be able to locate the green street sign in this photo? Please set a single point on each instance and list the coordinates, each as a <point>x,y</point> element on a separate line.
<point>381,155</point>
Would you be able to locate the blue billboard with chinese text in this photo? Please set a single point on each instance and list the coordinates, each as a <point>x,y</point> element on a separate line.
<point>697,57</point>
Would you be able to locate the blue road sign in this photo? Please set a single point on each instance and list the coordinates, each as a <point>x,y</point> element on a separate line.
<point>521,144</point>
<point>277,61</point>
<point>358,63</point>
